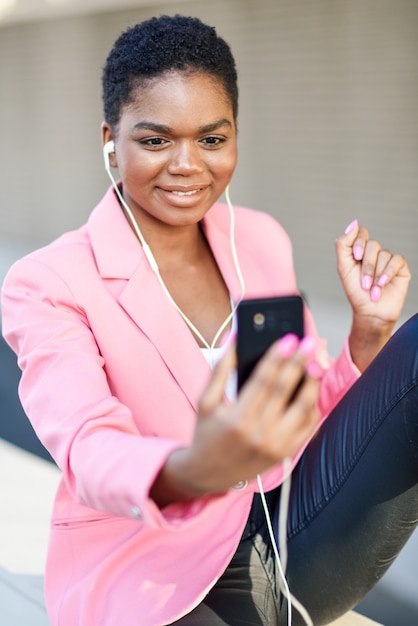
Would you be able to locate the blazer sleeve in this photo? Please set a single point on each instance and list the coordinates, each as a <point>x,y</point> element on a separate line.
<point>340,374</point>
<point>275,253</point>
<point>107,465</point>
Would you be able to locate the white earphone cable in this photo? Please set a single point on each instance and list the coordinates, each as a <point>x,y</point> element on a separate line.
<point>154,266</point>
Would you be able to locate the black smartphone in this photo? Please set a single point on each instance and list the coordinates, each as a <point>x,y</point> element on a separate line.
<point>261,321</point>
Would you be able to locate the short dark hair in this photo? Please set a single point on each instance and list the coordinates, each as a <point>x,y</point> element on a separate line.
<point>163,44</point>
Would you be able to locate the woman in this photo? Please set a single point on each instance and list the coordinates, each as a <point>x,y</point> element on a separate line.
<point>124,332</point>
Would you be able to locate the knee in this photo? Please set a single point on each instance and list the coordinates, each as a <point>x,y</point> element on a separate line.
<point>403,346</point>
<point>409,329</point>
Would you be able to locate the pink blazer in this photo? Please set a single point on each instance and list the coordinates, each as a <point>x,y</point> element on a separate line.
<point>111,378</point>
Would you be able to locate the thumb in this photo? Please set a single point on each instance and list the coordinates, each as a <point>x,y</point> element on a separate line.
<point>213,395</point>
<point>344,245</point>
<point>347,239</point>
<point>350,245</point>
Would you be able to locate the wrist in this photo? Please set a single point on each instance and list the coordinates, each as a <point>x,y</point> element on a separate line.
<point>173,483</point>
<point>367,338</point>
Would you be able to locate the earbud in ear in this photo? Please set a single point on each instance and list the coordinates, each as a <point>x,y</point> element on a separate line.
<point>108,148</point>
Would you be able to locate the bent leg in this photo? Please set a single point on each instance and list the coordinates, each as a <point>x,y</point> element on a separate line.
<point>354,497</point>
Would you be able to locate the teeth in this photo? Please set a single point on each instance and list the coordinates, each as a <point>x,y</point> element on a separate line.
<point>185,193</point>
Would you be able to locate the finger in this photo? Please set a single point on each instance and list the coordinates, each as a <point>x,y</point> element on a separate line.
<point>292,378</point>
<point>354,235</point>
<point>352,228</point>
<point>268,368</point>
<point>389,266</point>
<point>276,378</point>
<point>289,430</point>
<point>315,369</point>
<point>352,243</point>
<point>213,395</point>
<point>301,417</point>
<point>372,251</point>
<point>285,355</point>
<point>396,266</point>
<point>344,243</point>
<point>360,243</point>
<point>281,391</point>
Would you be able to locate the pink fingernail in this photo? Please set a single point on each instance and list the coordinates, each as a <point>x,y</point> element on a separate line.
<point>350,227</point>
<point>366,282</point>
<point>383,280</point>
<point>288,345</point>
<point>358,253</point>
<point>315,370</point>
<point>375,293</point>
<point>308,345</point>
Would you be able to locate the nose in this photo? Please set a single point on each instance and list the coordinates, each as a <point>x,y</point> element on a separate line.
<point>185,159</point>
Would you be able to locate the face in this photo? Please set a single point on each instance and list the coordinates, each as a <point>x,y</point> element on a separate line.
<point>175,149</point>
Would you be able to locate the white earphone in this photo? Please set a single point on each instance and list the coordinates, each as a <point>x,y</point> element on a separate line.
<point>108,148</point>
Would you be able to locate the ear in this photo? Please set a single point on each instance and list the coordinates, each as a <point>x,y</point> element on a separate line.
<point>107,135</point>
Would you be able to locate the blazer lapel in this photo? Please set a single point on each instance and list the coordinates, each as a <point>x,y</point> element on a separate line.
<point>119,255</point>
<point>147,304</point>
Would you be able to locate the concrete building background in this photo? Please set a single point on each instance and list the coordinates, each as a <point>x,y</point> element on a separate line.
<point>328,131</point>
<point>328,125</point>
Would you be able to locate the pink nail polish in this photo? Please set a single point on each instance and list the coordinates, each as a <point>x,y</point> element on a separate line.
<point>288,345</point>
<point>308,346</point>
<point>366,282</point>
<point>383,280</point>
<point>315,370</point>
<point>358,253</point>
<point>350,227</point>
<point>375,293</point>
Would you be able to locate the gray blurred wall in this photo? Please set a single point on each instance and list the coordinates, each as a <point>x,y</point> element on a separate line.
<point>328,124</point>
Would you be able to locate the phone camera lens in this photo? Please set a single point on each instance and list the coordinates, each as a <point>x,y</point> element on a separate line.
<point>259,321</point>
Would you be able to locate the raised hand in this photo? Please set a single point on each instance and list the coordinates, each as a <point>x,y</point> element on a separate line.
<point>375,281</point>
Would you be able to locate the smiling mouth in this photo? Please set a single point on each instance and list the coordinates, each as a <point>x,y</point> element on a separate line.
<point>185,193</point>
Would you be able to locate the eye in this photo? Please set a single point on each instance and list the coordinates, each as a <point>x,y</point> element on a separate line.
<point>153,142</point>
<point>212,141</point>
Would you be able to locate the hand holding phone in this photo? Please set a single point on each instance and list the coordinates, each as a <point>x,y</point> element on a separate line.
<point>261,322</point>
<point>273,416</point>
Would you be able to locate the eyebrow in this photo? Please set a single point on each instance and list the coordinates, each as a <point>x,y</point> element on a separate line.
<point>161,128</point>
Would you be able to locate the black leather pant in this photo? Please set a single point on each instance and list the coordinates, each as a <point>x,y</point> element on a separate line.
<point>353,505</point>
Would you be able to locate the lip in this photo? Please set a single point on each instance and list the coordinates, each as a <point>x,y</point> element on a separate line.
<point>181,195</point>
